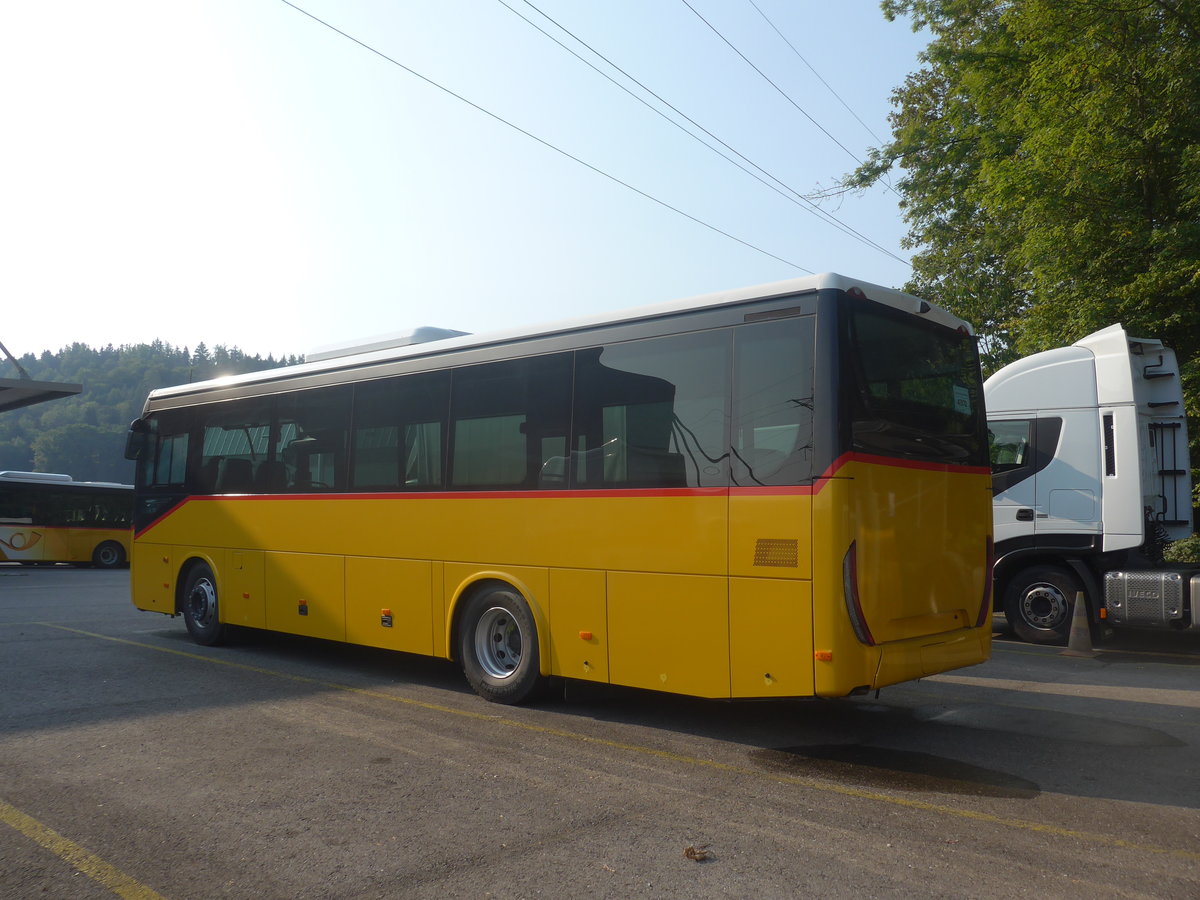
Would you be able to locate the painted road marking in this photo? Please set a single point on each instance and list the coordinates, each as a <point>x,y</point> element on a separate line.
<point>84,861</point>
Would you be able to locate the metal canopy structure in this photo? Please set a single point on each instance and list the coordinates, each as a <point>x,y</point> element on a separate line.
<point>24,391</point>
<point>18,392</point>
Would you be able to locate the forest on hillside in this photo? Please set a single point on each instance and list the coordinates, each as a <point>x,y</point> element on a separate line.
<point>84,436</point>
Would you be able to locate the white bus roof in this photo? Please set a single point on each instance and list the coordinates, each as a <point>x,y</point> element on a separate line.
<point>401,346</point>
<point>54,478</point>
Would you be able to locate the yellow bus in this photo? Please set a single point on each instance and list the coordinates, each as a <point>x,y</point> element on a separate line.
<point>48,518</point>
<point>780,491</point>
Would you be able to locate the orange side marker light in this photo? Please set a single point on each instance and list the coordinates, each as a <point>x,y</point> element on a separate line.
<point>823,655</point>
<point>585,635</point>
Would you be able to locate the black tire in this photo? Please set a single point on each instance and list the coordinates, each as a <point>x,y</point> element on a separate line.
<point>201,611</point>
<point>1039,603</point>
<point>498,646</point>
<point>109,555</point>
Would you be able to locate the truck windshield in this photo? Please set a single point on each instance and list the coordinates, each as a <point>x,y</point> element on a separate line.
<point>911,388</point>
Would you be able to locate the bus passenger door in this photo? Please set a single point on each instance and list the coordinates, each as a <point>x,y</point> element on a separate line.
<point>152,577</point>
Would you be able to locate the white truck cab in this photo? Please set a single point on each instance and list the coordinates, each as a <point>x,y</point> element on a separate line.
<point>1091,478</point>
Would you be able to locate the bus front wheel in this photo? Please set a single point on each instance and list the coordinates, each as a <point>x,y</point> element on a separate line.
<point>1039,603</point>
<point>108,555</point>
<point>201,613</point>
<point>498,646</point>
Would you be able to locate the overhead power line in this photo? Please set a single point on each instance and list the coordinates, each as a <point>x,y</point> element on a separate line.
<point>542,141</point>
<point>814,71</point>
<point>768,80</point>
<point>780,187</point>
<point>786,96</point>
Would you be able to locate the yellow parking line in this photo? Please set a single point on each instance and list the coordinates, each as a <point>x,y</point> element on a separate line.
<point>87,863</point>
<point>1105,840</point>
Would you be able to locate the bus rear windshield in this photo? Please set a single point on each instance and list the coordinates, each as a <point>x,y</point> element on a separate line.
<point>912,388</point>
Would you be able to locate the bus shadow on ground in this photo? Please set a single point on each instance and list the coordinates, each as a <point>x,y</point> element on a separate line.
<point>914,744</point>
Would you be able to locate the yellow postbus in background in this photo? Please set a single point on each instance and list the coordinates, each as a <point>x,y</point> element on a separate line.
<point>48,518</point>
<point>779,491</point>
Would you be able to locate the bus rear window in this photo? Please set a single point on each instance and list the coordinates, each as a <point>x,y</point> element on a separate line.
<point>912,388</point>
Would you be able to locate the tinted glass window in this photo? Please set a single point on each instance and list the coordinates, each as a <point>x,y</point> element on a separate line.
<point>912,388</point>
<point>772,438</point>
<point>509,422</point>
<point>235,441</point>
<point>309,443</point>
<point>165,465</point>
<point>652,413</point>
<point>16,504</point>
<point>399,432</point>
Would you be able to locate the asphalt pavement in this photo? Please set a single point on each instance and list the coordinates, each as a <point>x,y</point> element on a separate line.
<point>134,762</point>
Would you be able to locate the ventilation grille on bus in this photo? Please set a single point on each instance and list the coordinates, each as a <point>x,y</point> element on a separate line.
<point>779,552</point>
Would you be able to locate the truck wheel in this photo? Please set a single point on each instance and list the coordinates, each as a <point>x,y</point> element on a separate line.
<point>108,555</point>
<point>498,646</point>
<point>1039,602</point>
<point>200,611</point>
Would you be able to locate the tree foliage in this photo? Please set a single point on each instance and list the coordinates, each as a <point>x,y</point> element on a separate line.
<point>1050,156</point>
<point>84,435</point>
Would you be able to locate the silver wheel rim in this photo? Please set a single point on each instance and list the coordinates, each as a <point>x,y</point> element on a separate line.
<point>108,556</point>
<point>202,602</point>
<point>1044,606</point>
<point>499,642</point>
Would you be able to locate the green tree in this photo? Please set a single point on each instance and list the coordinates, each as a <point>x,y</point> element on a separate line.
<point>83,448</point>
<point>1051,169</point>
<point>84,435</point>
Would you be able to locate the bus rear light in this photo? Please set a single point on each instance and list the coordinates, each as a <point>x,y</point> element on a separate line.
<point>985,608</point>
<point>854,609</point>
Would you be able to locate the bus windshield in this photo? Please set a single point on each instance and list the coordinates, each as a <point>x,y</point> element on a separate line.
<point>913,388</point>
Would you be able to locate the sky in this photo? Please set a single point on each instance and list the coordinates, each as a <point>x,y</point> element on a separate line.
<point>235,172</point>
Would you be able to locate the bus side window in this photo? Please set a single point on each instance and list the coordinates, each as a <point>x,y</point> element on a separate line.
<point>309,442</point>
<point>652,413</point>
<point>399,433</point>
<point>508,421</point>
<point>772,439</point>
<point>235,437</point>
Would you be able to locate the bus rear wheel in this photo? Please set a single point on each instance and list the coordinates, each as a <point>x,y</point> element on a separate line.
<point>108,555</point>
<point>201,612</point>
<point>498,646</point>
<point>1039,603</point>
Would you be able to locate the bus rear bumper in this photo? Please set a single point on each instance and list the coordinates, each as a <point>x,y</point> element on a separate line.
<point>917,657</point>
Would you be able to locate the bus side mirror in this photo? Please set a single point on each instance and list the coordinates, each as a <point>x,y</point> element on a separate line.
<point>136,440</point>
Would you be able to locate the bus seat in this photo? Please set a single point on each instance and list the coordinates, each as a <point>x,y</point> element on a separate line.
<point>554,473</point>
<point>657,468</point>
<point>270,477</point>
<point>236,477</point>
<point>208,474</point>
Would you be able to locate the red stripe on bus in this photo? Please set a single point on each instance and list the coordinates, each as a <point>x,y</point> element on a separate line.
<point>795,490</point>
<point>894,463</point>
